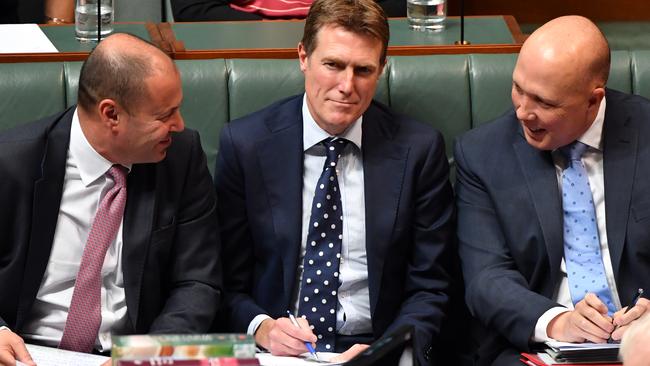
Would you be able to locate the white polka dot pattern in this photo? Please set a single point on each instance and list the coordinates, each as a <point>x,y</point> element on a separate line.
<point>321,262</point>
<point>84,315</point>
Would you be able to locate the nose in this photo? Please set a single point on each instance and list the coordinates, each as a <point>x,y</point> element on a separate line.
<point>346,82</point>
<point>524,110</point>
<point>178,123</point>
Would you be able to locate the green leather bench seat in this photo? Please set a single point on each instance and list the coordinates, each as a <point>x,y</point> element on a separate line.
<point>451,92</point>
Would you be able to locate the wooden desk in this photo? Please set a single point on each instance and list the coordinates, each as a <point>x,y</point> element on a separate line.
<point>279,39</point>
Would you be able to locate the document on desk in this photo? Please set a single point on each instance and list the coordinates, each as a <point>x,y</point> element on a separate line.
<point>48,356</point>
<point>24,38</point>
<point>566,346</point>
<point>267,359</point>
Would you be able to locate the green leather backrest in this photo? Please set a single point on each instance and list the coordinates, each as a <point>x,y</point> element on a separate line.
<point>432,89</point>
<point>640,67</point>
<point>205,101</point>
<point>450,92</point>
<point>490,81</point>
<point>29,91</point>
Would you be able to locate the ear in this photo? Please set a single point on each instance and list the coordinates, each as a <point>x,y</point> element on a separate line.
<point>596,97</point>
<point>109,112</point>
<point>302,56</point>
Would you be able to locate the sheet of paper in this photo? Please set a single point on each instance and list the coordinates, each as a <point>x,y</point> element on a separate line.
<point>48,356</point>
<point>24,38</point>
<point>569,346</point>
<point>267,359</point>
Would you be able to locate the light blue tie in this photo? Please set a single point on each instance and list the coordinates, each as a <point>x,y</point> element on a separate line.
<point>584,262</point>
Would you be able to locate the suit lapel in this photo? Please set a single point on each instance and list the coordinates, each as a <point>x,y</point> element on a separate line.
<point>619,160</point>
<point>45,211</point>
<point>384,163</point>
<point>136,233</point>
<point>542,182</point>
<point>281,163</point>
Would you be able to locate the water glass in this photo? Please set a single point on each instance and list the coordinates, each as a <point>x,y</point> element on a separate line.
<point>426,15</point>
<point>91,17</point>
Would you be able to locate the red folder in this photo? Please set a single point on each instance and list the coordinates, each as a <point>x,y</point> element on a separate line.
<point>531,359</point>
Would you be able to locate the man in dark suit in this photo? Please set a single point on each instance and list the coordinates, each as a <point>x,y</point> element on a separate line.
<point>552,200</point>
<point>80,257</point>
<point>373,233</point>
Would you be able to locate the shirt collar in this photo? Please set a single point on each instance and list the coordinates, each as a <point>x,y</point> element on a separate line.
<point>593,136</point>
<point>312,133</point>
<point>90,163</point>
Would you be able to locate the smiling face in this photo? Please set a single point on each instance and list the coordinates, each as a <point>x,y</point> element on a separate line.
<point>552,109</point>
<point>341,76</point>
<point>144,133</point>
<point>558,82</point>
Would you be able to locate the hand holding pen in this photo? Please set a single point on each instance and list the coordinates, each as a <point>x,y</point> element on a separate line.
<point>310,348</point>
<point>282,338</point>
<point>636,308</point>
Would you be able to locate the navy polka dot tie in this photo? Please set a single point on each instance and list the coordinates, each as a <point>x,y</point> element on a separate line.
<point>584,262</point>
<point>320,283</point>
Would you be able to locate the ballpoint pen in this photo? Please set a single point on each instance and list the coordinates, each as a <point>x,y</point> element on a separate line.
<point>635,299</point>
<point>310,348</point>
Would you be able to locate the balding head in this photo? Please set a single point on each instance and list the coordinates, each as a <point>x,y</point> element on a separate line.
<point>117,69</point>
<point>558,82</point>
<point>572,45</point>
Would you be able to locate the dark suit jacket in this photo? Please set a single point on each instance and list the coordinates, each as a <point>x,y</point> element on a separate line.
<point>409,217</point>
<point>172,278</point>
<point>510,220</point>
<point>207,10</point>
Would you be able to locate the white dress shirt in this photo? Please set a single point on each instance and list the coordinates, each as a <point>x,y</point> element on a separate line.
<point>353,310</point>
<point>85,184</point>
<point>593,162</point>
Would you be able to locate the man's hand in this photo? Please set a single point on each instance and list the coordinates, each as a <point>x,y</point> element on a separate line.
<point>282,338</point>
<point>12,349</point>
<point>622,320</point>
<point>350,353</point>
<point>588,322</point>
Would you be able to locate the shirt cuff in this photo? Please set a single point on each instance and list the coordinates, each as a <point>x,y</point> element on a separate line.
<point>5,328</point>
<point>543,321</point>
<point>255,323</point>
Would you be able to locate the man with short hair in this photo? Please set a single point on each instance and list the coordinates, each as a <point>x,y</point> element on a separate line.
<point>551,198</point>
<point>111,227</point>
<point>332,206</point>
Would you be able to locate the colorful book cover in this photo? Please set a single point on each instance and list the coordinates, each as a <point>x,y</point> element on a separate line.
<point>183,346</point>
<point>164,361</point>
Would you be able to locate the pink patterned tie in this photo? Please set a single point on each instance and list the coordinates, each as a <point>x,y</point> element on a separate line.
<point>84,315</point>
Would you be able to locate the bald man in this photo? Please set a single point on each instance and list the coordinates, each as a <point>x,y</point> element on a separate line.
<point>554,200</point>
<point>109,224</point>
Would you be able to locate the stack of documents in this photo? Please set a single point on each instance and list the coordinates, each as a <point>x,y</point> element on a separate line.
<point>563,353</point>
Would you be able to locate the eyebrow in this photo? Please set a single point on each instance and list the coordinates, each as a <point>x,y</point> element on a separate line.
<point>341,62</point>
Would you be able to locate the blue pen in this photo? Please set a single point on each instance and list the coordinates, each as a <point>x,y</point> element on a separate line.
<point>307,344</point>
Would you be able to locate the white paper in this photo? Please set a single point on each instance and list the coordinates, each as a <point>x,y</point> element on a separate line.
<point>48,356</point>
<point>24,38</point>
<point>571,346</point>
<point>267,359</point>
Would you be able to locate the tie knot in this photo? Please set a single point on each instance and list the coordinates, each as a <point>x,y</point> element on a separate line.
<point>118,173</point>
<point>334,147</point>
<point>574,150</point>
